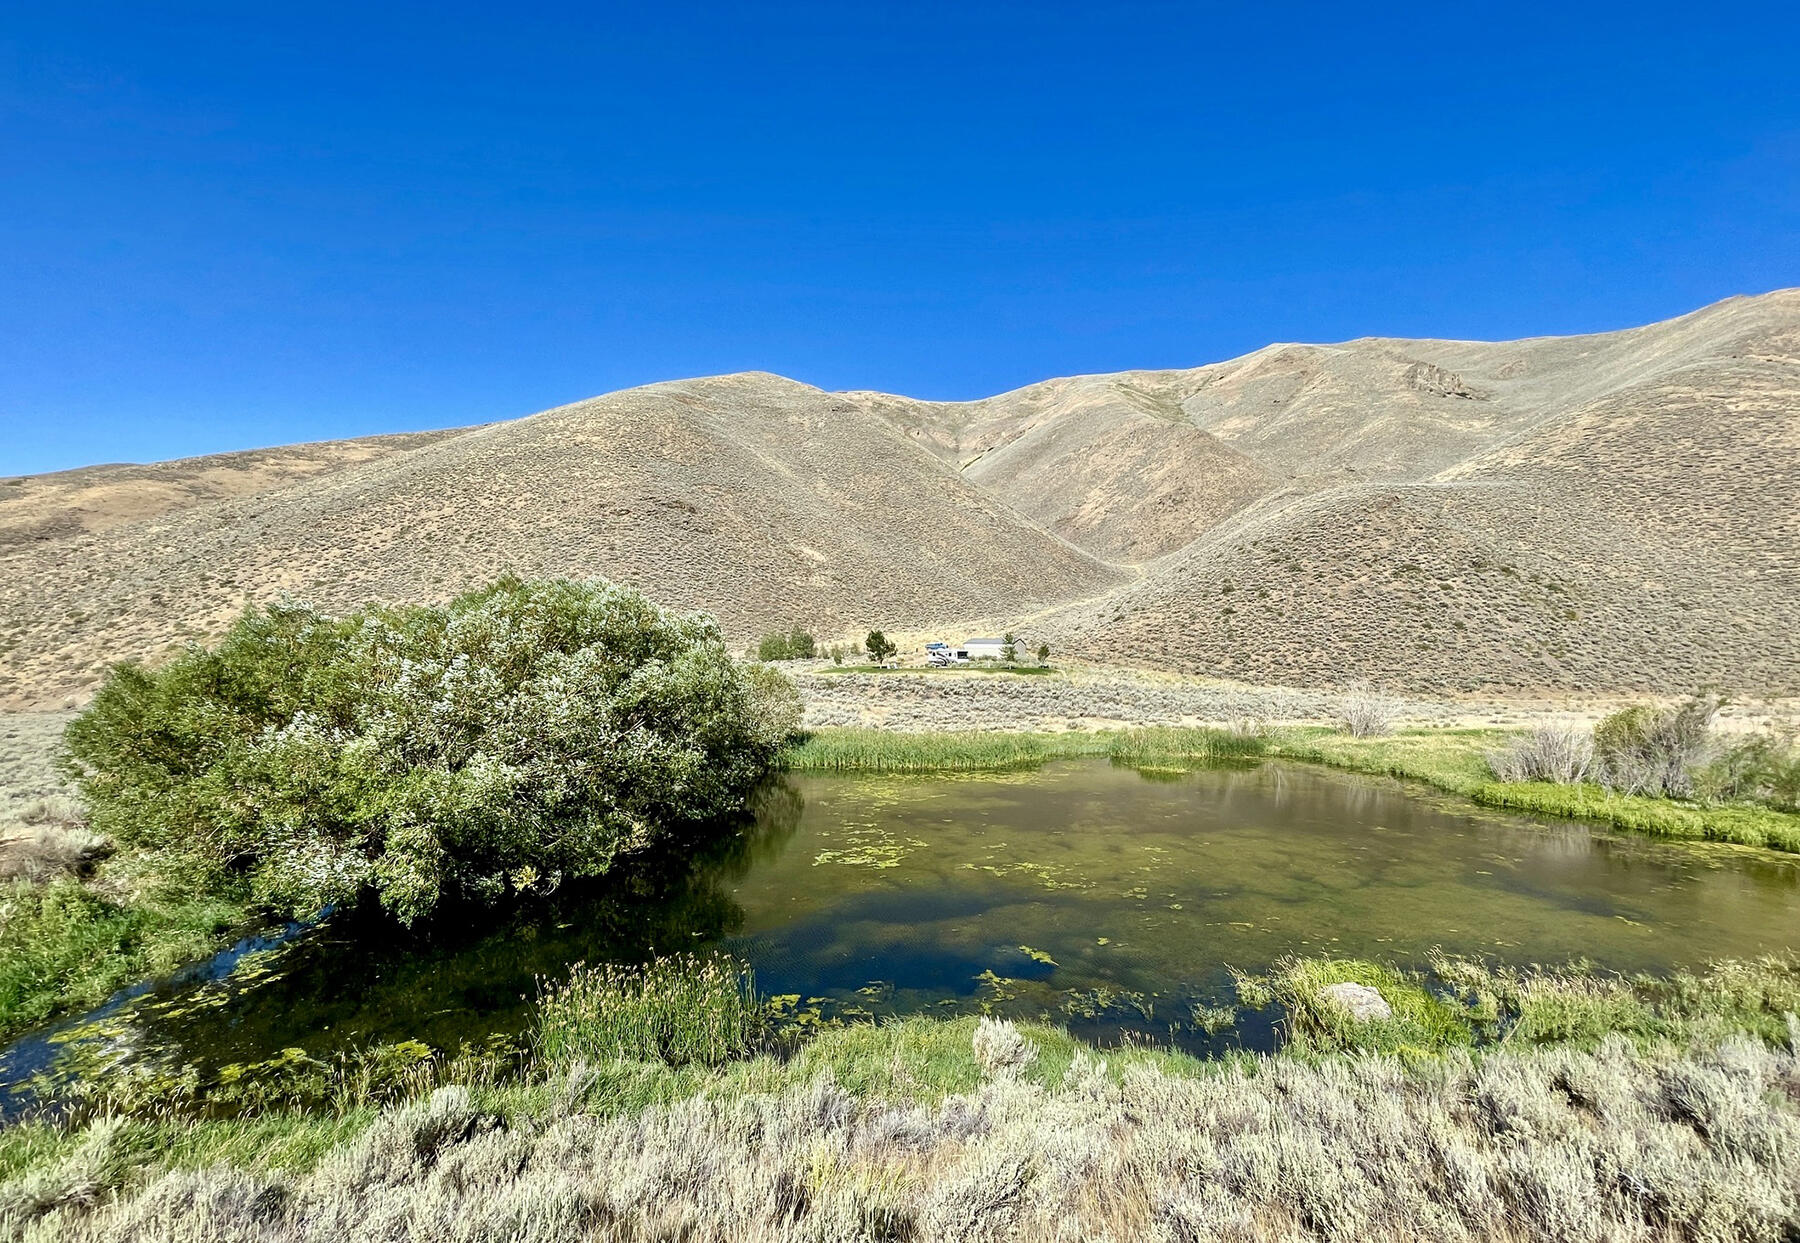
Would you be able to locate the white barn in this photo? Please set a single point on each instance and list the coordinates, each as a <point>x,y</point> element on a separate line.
<point>978,648</point>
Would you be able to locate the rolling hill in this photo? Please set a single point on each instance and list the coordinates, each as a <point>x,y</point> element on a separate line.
<point>1601,513</point>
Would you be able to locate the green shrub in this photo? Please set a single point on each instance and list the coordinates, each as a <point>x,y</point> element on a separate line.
<point>679,1010</point>
<point>1762,768</point>
<point>795,644</point>
<point>525,733</point>
<point>879,646</point>
<point>1647,750</point>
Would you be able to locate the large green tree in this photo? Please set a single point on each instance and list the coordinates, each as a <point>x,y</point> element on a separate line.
<point>525,733</point>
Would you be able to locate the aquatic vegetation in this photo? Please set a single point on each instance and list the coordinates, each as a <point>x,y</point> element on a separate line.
<point>1106,1001</point>
<point>874,750</point>
<point>63,945</point>
<point>678,1010</point>
<point>1051,876</point>
<point>871,846</point>
<point>1212,1019</point>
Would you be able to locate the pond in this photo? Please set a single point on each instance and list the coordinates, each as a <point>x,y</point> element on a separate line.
<point>1102,898</point>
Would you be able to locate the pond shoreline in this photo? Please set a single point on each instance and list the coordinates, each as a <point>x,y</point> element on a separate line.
<point>1449,759</point>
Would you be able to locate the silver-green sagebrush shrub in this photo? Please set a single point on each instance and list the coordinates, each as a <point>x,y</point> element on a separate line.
<point>525,733</point>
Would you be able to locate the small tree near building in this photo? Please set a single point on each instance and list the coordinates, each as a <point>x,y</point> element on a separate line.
<point>1043,654</point>
<point>879,647</point>
<point>1009,651</point>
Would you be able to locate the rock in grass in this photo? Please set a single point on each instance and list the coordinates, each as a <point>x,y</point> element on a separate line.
<point>1361,1002</point>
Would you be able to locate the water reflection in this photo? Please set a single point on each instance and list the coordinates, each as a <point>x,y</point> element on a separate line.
<point>1105,899</point>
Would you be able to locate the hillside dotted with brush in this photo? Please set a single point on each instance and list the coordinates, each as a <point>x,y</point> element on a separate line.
<point>1618,512</point>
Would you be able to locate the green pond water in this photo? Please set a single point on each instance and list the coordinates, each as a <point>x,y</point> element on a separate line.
<point>1099,897</point>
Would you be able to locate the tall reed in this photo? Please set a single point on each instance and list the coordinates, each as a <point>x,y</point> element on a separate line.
<point>1150,746</point>
<point>875,750</point>
<point>682,1009</point>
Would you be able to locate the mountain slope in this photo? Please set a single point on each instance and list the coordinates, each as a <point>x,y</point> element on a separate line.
<point>1609,512</point>
<point>766,501</point>
<point>1641,538</point>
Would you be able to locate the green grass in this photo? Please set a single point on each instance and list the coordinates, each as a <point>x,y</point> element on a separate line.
<point>876,750</point>
<point>1450,759</point>
<point>64,947</point>
<point>1455,760</point>
<point>679,1010</point>
<point>1740,824</point>
<point>1421,1022</point>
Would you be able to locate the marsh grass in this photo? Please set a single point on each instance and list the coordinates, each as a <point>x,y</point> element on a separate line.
<point>680,1010</point>
<point>1740,824</point>
<point>1421,1022</point>
<point>64,946</point>
<point>875,750</point>
<point>1141,747</point>
<point>1456,760</point>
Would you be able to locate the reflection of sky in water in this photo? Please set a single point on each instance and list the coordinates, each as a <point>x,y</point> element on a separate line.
<point>1084,893</point>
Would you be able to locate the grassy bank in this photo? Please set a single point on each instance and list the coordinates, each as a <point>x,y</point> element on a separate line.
<point>875,750</point>
<point>1603,1108</point>
<point>1454,760</point>
<point>65,947</point>
<point>1449,759</point>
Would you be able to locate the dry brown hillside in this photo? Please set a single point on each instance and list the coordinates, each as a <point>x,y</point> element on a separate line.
<point>95,498</point>
<point>1610,512</point>
<point>764,500</point>
<point>1631,522</point>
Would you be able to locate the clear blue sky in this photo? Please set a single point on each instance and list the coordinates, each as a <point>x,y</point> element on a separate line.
<point>227,226</point>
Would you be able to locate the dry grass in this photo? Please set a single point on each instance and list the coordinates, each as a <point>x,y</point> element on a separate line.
<point>1612,1145</point>
<point>42,831</point>
<point>1561,754</point>
<point>1088,698</point>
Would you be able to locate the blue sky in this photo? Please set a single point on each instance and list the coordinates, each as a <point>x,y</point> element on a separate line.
<point>228,226</point>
